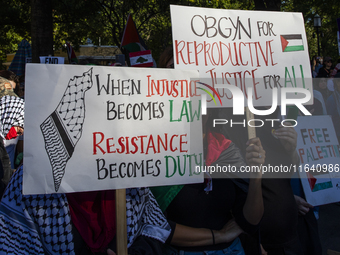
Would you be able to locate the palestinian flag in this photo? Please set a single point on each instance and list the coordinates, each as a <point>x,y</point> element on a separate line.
<point>141,59</point>
<point>311,180</point>
<point>292,42</point>
<point>318,184</point>
<point>72,59</point>
<point>131,41</point>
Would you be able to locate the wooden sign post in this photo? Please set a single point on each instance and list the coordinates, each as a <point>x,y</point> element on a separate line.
<point>121,234</point>
<point>251,130</point>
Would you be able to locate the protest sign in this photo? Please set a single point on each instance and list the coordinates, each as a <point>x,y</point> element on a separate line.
<point>259,50</point>
<point>319,169</point>
<point>52,60</point>
<point>97,128</point>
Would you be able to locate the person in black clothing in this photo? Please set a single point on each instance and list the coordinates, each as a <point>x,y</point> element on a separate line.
<point>326,70</point>
<point>278,228</point>
<point>210,216</point>
<point>320,84</point>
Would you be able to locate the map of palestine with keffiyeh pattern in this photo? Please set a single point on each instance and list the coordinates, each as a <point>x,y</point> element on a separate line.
<point>63,128</point>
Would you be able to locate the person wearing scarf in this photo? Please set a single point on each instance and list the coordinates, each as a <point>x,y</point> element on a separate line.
<point>320,84</point>
<point>11,125</point>
<point>333,105</point>
<point>207,218</point>
<point>78,223</point>
<point>11,140</point>
<point>6,88</point>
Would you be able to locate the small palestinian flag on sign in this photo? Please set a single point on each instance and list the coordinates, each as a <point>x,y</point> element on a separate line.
<point>292,42</point>
<point>141,58</point>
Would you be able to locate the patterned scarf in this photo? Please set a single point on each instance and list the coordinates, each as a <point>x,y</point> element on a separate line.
<point>41,224</point>
<point>11,113</point>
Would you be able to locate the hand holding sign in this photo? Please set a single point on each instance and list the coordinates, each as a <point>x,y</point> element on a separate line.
<point>288,138</point>
<point>302,205</point>
<point>255,155</point>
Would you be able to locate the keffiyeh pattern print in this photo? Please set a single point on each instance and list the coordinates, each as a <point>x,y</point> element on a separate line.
<point>63,128</point>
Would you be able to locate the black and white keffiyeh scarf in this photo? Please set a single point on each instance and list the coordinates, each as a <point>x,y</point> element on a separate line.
<point>144,216</point>
<point>11,113</point>
<point>41,224</point>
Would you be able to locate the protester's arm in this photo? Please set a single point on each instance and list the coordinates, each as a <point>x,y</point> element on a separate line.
<point>302,205</point>
<point>110,252</point>
<point>253,207</point>
<point>188,236</point>
<point>288,138</point>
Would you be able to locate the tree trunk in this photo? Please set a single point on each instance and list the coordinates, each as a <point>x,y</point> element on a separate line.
<point>268,5</point>
<point>273,5</point>
<point>259,5</point>
<point>41,29</point>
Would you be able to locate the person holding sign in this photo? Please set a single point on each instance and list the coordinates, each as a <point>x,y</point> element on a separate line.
<point>209,216</point>
<point>278,229</point>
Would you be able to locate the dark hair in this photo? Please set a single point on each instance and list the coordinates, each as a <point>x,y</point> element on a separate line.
<point>165,57</point>
<point>317,81</point>
<point>327,59</point>
<point>9,75</point>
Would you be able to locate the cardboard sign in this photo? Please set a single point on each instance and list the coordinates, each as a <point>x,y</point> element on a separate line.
<point>52,60</point>
<point>319,153</point>
<point>99,128</point>
<point>256,49</point>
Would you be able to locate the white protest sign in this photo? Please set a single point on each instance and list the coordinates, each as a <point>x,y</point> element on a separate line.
<point>97,128</point>
<point>256,49</point>
<point>52,60</point>
<point>319,169</point>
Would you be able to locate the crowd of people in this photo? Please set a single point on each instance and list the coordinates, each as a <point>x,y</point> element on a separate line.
<point>225,214</point>
<point>326,92</point>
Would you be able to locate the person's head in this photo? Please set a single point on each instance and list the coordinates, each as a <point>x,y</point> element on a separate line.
<point>12,77</point>
<point>320,60</point>
<point>327,62</point>
<point>336,81</point>
<point>320,83</point>
<point>166,60</point>
<point>6,88</point>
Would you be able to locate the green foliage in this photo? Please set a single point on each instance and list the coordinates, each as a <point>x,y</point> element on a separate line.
<point>14,25</point>
<point>75,21</point>
<point>329,11</point>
